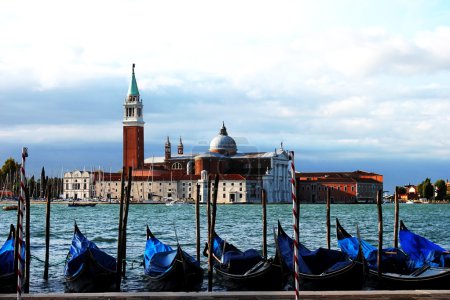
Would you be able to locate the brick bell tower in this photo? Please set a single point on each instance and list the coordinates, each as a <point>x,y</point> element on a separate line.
<point>133,128</point>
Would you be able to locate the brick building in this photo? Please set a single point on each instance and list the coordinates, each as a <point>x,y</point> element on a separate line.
<point>346,187</point>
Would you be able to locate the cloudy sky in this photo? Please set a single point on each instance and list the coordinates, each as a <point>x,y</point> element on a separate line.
<point>347,85</point>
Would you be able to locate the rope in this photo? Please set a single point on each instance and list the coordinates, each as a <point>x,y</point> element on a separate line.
<point>20,221</point>
<point>50,265</point>
<point>295,213</point>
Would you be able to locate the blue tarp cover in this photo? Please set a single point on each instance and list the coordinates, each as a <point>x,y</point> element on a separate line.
<point>7,256</point>
<point>234,260</point>
<point>422,251</point>
<point>393,259</point>
<point>158,257</point>
<point>79,252</point>
<point>311,262</point>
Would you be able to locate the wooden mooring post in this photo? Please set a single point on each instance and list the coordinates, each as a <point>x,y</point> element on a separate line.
<point>328,218</point>
<point>264,222</point>
<point>26,286</point>
<point>396,217</point>
<point>212,211</point>
<point>47,231</point>
<point>125,222</point>
<point>380,231</point>
<point>197,221</point>
<point>119,239</point>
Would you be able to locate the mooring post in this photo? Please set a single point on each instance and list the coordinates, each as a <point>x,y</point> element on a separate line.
<point>264,222</point>
<point>47,231</point>
<point>211,232</point>
<point>197,221</point>
<point>328,218</point>
<point>26,287</point>
<point>380,232</point>
<point>119,238</point>
<point>125,221</point>
<point>396,218</point>
<point>208,213</point>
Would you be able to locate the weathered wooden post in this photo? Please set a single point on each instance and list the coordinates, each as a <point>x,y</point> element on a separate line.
<point>119,238</point>
<point>396,218</point>
<point>211,232</point>
<point>208,215</point>
<point>125,221</point>
<point>26,287</point>
<point>328,217</point>
<point>264,222</point>
<point>380,232</point>
<point>47,231</point>
<point>197,220</point>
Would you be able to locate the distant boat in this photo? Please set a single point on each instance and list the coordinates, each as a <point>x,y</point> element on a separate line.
<point>76,204</point>
<point>10,207</point>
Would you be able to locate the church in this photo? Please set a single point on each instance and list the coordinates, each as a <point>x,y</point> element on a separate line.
<point>180,176</point>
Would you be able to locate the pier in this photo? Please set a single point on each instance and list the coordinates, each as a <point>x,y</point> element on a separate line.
<point>341,295</point>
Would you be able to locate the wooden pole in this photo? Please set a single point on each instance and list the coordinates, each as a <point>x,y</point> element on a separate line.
<point>197,221</point>
<point>26,287</point>
<point>211,232</point>
<point>208,213</point>
<point>396,218</point>
<point>296,225</point>
<point>380,232</point>
<point>47,231</point>
<point>264,222</point>
<point>328,218</point>
<point>119,239</point>
<point>125,221</point>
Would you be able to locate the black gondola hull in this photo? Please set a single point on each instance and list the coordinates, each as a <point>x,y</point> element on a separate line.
<point>8,283</point>
<point>92,278</point>
<point>182,276</point>
<point>267,278</point>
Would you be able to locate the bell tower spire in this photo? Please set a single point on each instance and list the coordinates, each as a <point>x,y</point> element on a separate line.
<point>133,127</point>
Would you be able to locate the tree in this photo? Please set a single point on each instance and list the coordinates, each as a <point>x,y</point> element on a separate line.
<point>441,189</point>
<point>10,166</point>
<point>401,190</point>
<point>428,191</point>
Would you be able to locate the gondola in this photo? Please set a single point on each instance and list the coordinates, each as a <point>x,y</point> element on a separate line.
<point>421,250</point>
<point>245,270</point>
<point>321,269</point>
<point>397,272</point>
<point>87,268</point>
<point>170,270</point>
<point>8,278</point>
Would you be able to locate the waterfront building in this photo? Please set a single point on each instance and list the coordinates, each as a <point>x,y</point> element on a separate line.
<point>411,193</point>
<point>346,187</point>
<point>78,185</point>
<point>243,175</point>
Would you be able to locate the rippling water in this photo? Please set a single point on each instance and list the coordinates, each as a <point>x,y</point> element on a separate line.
<point>238,224</point>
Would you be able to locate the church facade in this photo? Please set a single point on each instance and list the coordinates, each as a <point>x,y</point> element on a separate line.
<point>179,176</point>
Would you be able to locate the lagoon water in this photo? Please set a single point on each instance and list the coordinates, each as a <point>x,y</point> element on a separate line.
<point>238,224</point>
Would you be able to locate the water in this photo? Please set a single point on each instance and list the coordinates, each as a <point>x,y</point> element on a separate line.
<point>238,224</point>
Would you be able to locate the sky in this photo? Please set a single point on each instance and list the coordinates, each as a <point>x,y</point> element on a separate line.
<point>347,85</point>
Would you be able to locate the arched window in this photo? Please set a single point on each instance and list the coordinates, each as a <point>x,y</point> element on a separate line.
<point>177,166</point>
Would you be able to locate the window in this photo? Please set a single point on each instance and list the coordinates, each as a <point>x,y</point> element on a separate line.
<point>240,195</point>
<point>240,189</point>
<point>223,196</point>
<point>232,184</point>
<point>224,189</point>
<point>224,183</point>
<point>177,166</point>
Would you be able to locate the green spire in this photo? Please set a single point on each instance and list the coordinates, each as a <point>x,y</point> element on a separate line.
<point>133,90</point>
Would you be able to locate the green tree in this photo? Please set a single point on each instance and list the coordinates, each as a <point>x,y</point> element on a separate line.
<point>10,166</point>
<point>441,189</point>
<point>401,190</point>
<point>428,190</point>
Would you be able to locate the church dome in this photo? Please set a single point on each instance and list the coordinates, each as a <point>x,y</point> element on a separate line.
<point>223,143</point>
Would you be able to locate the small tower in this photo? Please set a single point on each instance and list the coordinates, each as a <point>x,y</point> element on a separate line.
<point>180,147</point>
<point>167,150</point>
<point>133,127</point>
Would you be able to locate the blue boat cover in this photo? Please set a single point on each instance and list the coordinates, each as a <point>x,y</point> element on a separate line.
<point>393,259</point>
<point>422,251</point>
<point>7,256</point>
<point>159,257</point>
<point>320,261</point>
<point>236,261</point>
<point>79,253</point>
